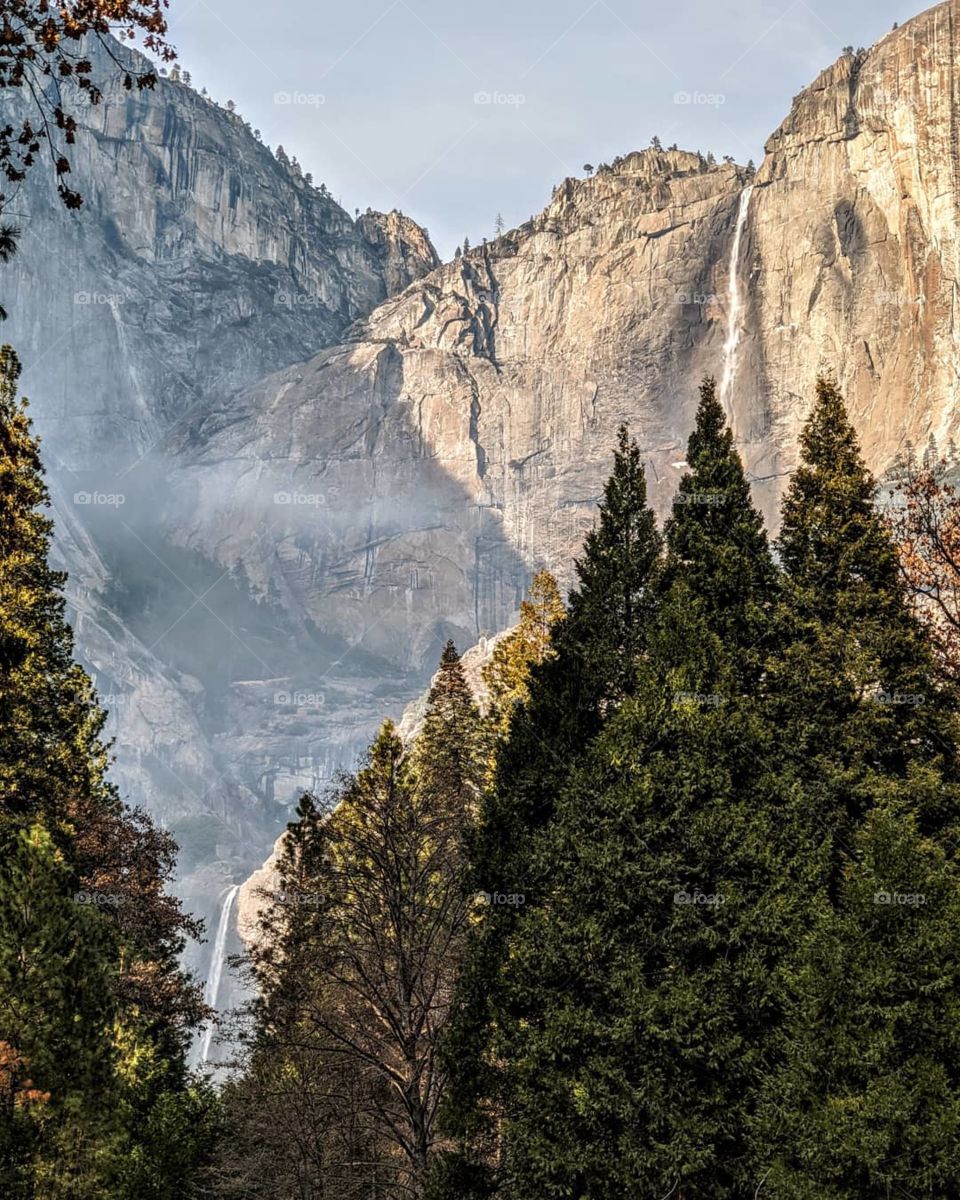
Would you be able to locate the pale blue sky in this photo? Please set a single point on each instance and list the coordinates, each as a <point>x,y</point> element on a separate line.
<point>382,93</point>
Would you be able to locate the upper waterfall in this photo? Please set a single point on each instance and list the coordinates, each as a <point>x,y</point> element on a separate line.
<point>734,303</point>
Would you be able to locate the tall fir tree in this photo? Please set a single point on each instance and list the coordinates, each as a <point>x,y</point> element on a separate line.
<point>356,968</point>
<point>869,737</point>
<point>507,674</point>
<point>102,870</point>
<point>572,693</point>
<point>645,1002</point>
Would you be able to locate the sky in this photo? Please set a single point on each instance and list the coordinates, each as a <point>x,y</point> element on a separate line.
<point>456,112</point>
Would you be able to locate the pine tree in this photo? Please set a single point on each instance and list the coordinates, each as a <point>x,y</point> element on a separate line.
<point>62,819</point>
<point>357,963</point>
<point>571,695</point>
<point>869,736</point>
<point>448,758</point>
<point>50,752</point>
<point>856,692</point>
<point>718,550</point>
<point>645,1017</point>
<point>56,1010</point>
<point>866,1104</point>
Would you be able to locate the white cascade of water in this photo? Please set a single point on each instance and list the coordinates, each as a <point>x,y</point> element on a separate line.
<point>212,990</point>
<point>733,303</point>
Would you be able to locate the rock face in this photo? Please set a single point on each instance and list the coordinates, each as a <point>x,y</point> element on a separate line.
<point>198,264</point>
<point>332,523</point>
<point>852,256</point>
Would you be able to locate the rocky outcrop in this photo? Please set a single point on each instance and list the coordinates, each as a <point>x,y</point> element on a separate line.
<point>853,255</point>
<point>403,248</point>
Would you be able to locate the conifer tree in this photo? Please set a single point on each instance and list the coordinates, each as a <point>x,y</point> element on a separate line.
<point>448,756</point>
<point>870,740</point>
<point>357,965</point>
<point>101,872</point>
<point>55,1018</point>
<point>717,544</point>
<point>644,1002</point>
<point>571,695</point>
<point>866,1104</point>
<point>855,693</point>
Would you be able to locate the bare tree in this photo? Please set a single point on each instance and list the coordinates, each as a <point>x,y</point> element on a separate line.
<point>356,968</point>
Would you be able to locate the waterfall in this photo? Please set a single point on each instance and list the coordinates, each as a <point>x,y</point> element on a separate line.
<point>733,304</point>
<point>212,990</point>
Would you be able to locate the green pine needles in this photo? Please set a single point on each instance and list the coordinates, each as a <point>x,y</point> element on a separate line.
<point>730,800</point>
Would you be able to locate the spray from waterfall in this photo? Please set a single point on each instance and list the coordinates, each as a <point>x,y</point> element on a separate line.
<point>733,304</point>
<point>215,974</point>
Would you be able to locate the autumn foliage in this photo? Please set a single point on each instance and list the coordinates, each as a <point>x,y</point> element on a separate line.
<point>43,46</point>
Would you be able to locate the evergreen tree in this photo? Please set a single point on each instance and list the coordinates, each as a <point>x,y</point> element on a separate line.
<point>448,756</point>
<point>869,735</point>
<point>356,968</point>
<point>115,1040</point>
<point>719,557</point>
<point>56,1136</point>
<point>571,695</point>
<point>50,752</point>
<point>867,1102</point>
<point>855,693</point>
<point>644,975</point>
